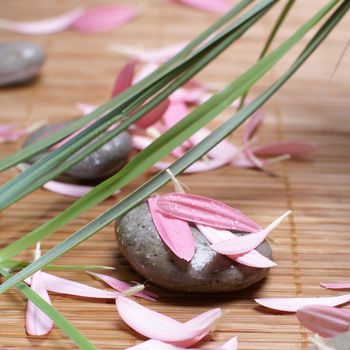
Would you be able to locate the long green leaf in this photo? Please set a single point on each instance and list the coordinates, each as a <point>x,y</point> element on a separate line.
<point>194,153</point>
<point>124,98</point>
<point>61,322</point>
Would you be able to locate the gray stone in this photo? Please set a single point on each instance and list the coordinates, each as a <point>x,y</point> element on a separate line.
<point>102,163</point>
<point>19,62</point>
<point>208,271</point>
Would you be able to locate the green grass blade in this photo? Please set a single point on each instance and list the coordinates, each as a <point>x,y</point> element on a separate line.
<point>126,96</point>
<point>61,322</point>
<point>195,153</point>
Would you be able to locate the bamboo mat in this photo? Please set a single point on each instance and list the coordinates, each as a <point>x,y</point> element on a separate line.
<point>311,247</point>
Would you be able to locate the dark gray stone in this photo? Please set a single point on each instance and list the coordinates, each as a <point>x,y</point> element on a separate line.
<point>208,271</point>
<point>19,62</point>
<point>100,164</point>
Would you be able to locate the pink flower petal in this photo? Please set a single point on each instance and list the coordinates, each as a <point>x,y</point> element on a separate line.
<point>293,148</point>
<point>244,244</point>
<point>326,321</point>
<point>231,344</point>
<point>176,234</point>
<point>205,211</point>
<point>294,304</point>
<point>156,55</point>
<point>215,6</point>
<point>8,133</point>
<point>336,285</point>
<point>153,115</point>
<point>46,26</point>
<point>67,189</point>
<point>64,286</point>
<point>124,78</point>
<point>122,286</point>
<point>155,325</point>
<point>146,70</point>
<point>37,322</point>
<point>103,18</point>
<point>85,108</point>
<point>252,258</point>
<point>141,142</point>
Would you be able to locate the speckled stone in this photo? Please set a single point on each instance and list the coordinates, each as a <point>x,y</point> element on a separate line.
<point>208,271</point>
<point>100,164</point>
<point>19,62</point>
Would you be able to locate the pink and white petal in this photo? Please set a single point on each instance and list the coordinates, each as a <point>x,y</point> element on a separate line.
<point>85,108</point>
<point>103,18</point>
<point>124,78</point>
<point>246,243</point>
<point>293,148</point>
<point>326,321</point>
<point>141,142</point>
<point>252,258</point>
<point>214,6</point>
<point>122,286</point>
<point>8,136</point>
<point>243,161</point>
<point>335,285</point>
<point>205,211</point>
<point>294,304</point>
<point>176,234</point>
<point>69,190</point>
<point>45,26</point>
<point>37,322</point>
<point>152,324</point>
<point>146,70</point>
<point>152,344</point>
<point>231,344</point>
<point>153,115</point>
<point>60,285</point>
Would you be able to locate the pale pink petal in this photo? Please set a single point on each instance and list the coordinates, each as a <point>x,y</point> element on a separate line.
<point>336,285</point>
<point>102,18</point>
<point>85,108</point>
<point>64,286</point>
<point>192,96</point>
<point>156,55</point>
<point>293,148</point>
<point>141,142</point>
<point>326,321</point>
<point>146,70</point>
<point>37,322</point>
<point>153,115</point>
<point>46,26</point>
<point>215,6</point>
<point>242,161</point>
<point>154,325</point>
<point>153,345</point>
<point>252,258</point>
<point>293,304</point>
<point>9,133</point>
<point>231,344</point>
<point>122,286</point>
<point>176,234</point>
<point>67,189</point>
<point>205,211</point>
<point>246,243</point>
<point>124,78</point>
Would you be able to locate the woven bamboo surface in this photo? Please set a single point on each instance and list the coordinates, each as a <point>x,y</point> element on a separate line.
<point>312,246</point>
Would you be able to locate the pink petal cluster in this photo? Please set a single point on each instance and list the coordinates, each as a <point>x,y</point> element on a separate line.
<point>91,20</point>
<point>172,212</point>
<point>320,315</point>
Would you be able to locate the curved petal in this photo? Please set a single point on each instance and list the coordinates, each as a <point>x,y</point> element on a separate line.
<point>205,211</point>
<point>124,78</point>
<point>122,286</point>
<point>103,18</point>
<point>293,304</point>
<point>45,26</point>
<point>152,324</point>
<point>244,244</point>
<point>326,321</point>
<point>67,189</point>
<point>335,285</point>
<point>293,148</point>
<point>153,115</point>
<point>215,6</point>
<point>37,322</point>
<point>176,234</point>
<point>252,258</point>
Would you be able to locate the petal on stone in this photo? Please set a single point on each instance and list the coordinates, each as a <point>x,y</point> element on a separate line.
<point>244,244</point>
<point>205,211</point>
<point>176,234</point>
